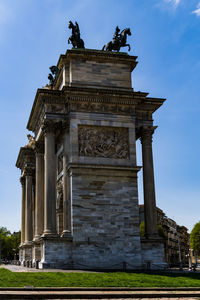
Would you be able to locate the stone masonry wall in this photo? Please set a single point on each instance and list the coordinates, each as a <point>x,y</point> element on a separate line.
<point>105,220</point>
<point>99,74</point>
<point>153,255</point>
<point>56,254</point>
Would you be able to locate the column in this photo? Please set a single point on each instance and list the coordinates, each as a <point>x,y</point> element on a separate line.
<point>66,185</point>
<point>150,212</point>
<point>39,190</point>
<point>22,180</point>
<point>28,211</point>
<point>49,180</point>
<point>33,205</point>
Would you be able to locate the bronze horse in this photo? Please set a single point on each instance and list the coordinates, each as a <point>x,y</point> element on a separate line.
<point>75,39</point>
<point>119,40</point>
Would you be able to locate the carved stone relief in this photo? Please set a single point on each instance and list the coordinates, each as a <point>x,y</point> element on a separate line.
<point>59,198</point>
<point>60,163</point>
<point>103,141</point>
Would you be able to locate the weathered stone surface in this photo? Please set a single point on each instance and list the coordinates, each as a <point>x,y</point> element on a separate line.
<point>55,254</point>
<point>99,141</point>
<point>105,219</point>
<point>153,254</point>
<point>99,74</point>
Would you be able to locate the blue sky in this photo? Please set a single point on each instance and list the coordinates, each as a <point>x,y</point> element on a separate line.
<point>166,39</point>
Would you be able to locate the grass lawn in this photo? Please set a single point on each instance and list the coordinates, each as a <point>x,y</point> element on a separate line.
<point>118,279</point>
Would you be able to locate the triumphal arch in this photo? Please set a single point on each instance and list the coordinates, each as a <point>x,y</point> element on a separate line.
<point>79,170</point>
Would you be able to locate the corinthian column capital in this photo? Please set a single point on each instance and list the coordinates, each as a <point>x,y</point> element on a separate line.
<point>29,171</point>
<point>65,126</point>
<point>22,180</point>
<point>49,126</point>
<point>146,135</point>
<point>39,147</point>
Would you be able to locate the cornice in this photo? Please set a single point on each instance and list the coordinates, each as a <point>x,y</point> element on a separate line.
<point>40,97</point>
<point>73,96</point>
<point>24,152</point>
<point>97,55</point>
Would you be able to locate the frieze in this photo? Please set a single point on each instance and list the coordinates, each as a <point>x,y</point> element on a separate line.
<point>102,108</point>
<point>52,108</point>
<point>103,141</point>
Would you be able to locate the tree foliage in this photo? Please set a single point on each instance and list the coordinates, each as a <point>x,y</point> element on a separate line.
<point>161,232</point>
<point>195,238</point>
<point>142,228</point>
<point>9,243</point>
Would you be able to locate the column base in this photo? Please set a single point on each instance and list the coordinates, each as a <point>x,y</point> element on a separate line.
<point>153,236</point>
<point>28,244</point>
<point>49,234</point>
<point>37,238</point>
<point>66,234</point>
<point>153,254</point>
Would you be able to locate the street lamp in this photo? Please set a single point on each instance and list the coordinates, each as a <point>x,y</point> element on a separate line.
<point>190,259</point>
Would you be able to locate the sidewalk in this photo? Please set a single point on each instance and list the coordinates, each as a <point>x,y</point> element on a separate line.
<point>14,268</point>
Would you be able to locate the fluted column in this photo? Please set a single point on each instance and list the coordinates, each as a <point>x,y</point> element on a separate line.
<point>66,185</point>
<point>49,180</point>
<point>28,210</point>
<point>22,180</point>
<point>150,213</point>
<point>39,190</point>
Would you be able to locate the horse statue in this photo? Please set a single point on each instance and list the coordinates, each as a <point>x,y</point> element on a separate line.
<point>75,39</point>
<point>119,40</point>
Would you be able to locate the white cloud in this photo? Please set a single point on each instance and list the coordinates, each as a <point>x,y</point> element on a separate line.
<point>175,3</point>
<point>197,11</point>
<point>5,13</point>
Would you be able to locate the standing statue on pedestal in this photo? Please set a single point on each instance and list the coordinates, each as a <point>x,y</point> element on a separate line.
<point>53,75</point>
<point>118,41</point>
<point>75,39</point>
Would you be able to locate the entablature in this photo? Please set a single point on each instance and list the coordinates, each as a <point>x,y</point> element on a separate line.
<point>26,158</point>
<point>54,104</point>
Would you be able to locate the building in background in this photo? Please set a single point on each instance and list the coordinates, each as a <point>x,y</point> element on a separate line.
<point>176,239</point>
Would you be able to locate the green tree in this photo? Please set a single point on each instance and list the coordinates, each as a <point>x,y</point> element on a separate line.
<point>195,238</point>
<point>142,228</point>
<point>9,243</point>
<point>161,232</point>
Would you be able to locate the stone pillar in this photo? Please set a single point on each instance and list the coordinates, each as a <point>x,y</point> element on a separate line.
<point>22,180</point>
<point>33,205</point>
<point>28,213</point>
<point>66,185</point>
<point>39,190</point>
<point>49,180</point>
<point>150,213</point>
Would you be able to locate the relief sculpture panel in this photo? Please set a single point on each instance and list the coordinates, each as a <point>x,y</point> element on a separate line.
<point>103,141</point>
